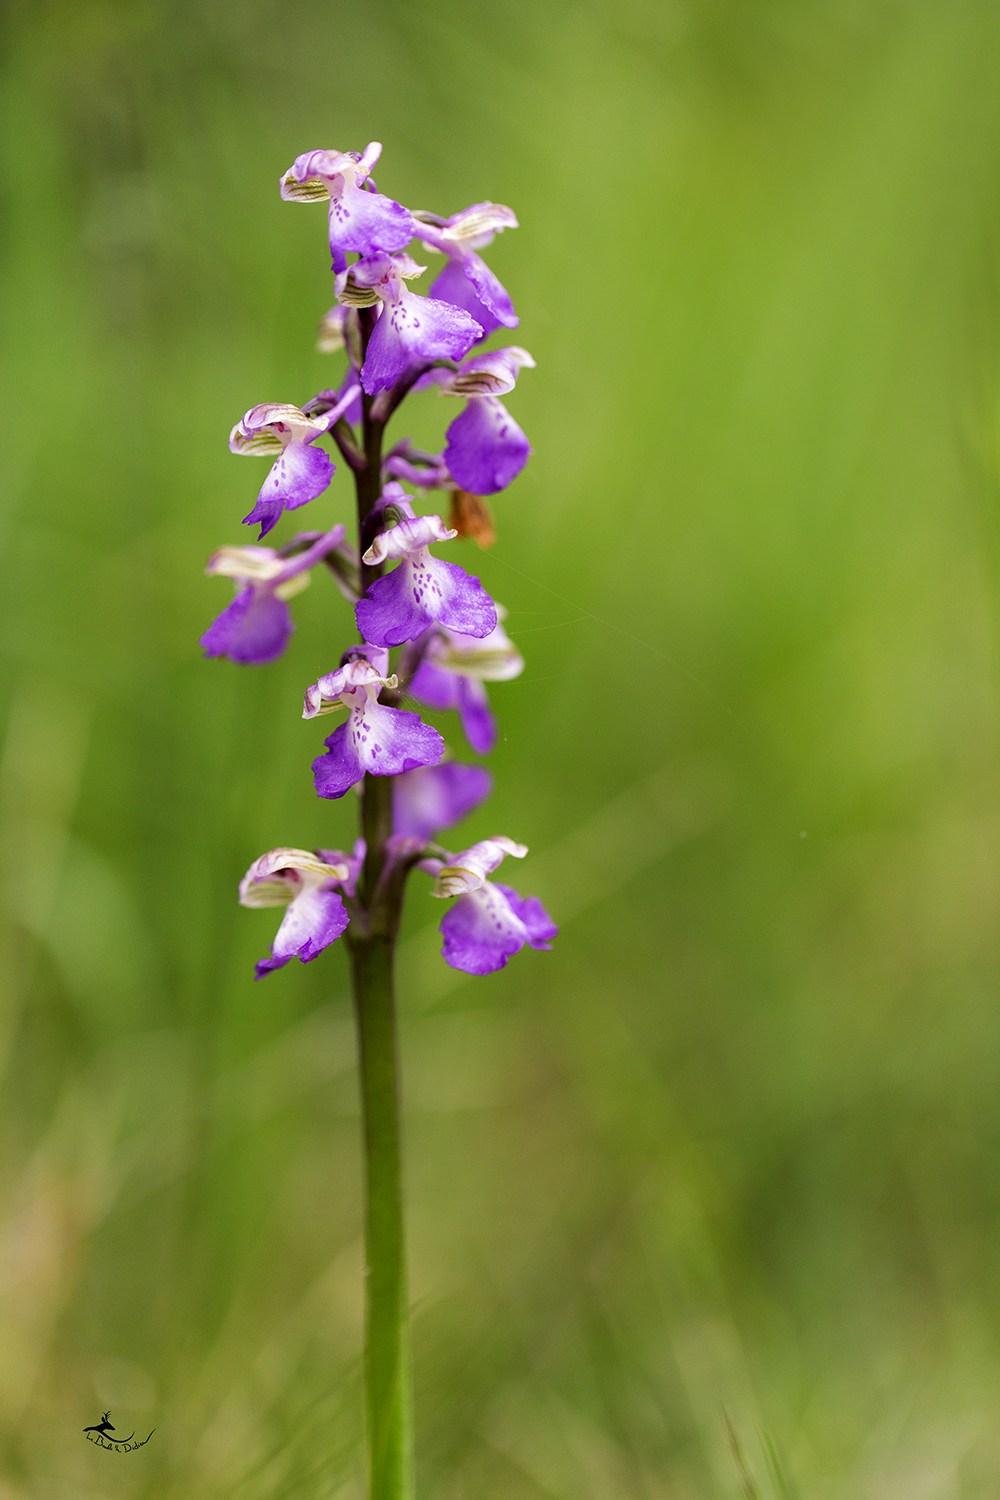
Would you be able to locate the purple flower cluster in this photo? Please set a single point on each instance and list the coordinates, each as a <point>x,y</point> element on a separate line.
<point>404,596</point>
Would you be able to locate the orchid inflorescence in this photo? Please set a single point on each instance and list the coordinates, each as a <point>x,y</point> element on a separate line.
<point>448,632</point>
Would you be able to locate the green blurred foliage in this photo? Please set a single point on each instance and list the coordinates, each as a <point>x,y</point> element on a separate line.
<point>706,1202</point>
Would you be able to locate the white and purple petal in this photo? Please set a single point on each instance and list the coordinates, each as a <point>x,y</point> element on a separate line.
<point>485,447</point>
<point>313,921</point>
<point>468,871</point>
<point>360,221</point>
<point>409,535</point>
<point>364,672</point>
<point>434,797</point>
<point>491,374</point>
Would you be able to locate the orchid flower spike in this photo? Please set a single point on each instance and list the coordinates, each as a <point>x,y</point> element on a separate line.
<point>447,670</point>
<point>300,471</point>
<point>489,922</point>
<point>360,222</point>
<point>467,280</point>
<point>411,330</point>
<point>485,448</point>
<point>308,885</point>
<point>377,739</point>
<point>423,590</point>
<point>255,627</point>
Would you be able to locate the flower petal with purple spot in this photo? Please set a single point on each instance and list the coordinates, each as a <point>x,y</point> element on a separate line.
<point>376,739</point>
<point>481,932</point>
<point>485,447</point>
<point>297,476</point>
<point>421,591</point>
<point>413,330</point>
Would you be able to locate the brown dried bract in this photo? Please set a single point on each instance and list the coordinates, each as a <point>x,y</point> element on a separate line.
<point>472,516</point>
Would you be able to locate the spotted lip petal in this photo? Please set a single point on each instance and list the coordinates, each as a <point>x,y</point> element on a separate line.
<point>421,591</point>
<point>411,330</point>
<point>314,920</point>
<point>378,740</point>
<point>485,447</point>
<point>489,922</point>
<point>481,932</point>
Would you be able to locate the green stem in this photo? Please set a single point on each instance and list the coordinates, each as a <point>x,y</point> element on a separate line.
<point>388,1390</point>
<point>388,1397</point>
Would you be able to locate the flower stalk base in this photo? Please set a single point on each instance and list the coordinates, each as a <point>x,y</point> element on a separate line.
<point>388,1386</point>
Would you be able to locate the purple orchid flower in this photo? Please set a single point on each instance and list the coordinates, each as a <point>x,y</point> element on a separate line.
<point>411,329</point>
<point>489,922</point>
<point>377,739</point>
<point>485,448</point>
<point>301,471</point>
<point>255,627</point>
<point>308,885</point>
<point>423,590</point>
<point>467,280</point>
<point>447,670</point>
<point>434,797</point>
<point>360,222</point>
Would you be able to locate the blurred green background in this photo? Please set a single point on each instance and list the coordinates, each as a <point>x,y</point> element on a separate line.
<point>705,1203</point>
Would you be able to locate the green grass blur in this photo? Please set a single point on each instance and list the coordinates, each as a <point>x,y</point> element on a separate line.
<point>705,1203</point>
